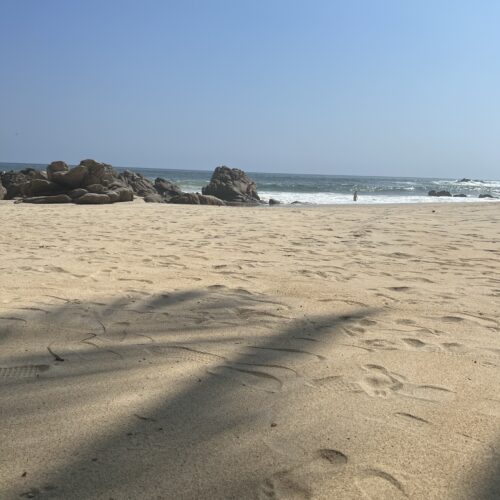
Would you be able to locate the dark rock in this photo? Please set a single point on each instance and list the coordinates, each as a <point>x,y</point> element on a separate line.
<point>439,193</point>
<point>113,196</point>
<point>464,180</point>
<point>96,188</point>
<point>76,193</point>
<point>461,195</point>
<point>71,178</point>
<point>485,195</point>
<point>93,199</point>
<point>154,198</point>
<point>124,193</point>
<point>56,167</point>
<point>272,201</point>
<point>196,199</point>
<point>58,198</point>
<point>40,187</point>
<point>231,184</point>
<point>13,181</point>
<point>166,188</point>
<point>98,173</point>
<point>139,184</point>
<point>206,199</point>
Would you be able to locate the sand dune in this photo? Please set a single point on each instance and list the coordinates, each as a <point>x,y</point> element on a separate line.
<point>185,352</point>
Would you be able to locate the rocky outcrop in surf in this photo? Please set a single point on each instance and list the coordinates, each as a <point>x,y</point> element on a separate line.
<point>232,185</point>
<point>439,193</point>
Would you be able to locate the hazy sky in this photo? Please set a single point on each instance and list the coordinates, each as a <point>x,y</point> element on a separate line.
<point>339,87</point>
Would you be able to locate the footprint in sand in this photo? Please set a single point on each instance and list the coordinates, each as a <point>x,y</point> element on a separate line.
<point>381,344</point>
<point>377,484</point>
<point>490,407</point>
<point>299,483</point>
<point>414,343</point>
<point>380,382</point>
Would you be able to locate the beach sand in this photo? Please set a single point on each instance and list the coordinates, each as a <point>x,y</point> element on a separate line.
<point>187,352</point>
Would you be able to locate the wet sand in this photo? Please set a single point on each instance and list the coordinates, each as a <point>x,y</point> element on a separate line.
<point>161,351</point>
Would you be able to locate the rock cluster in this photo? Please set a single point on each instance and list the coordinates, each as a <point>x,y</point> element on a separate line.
<point>90,182</point>
<point>196,199</point>
<point>460,195</point>
<point>232,185</point>
<point>94,183</point>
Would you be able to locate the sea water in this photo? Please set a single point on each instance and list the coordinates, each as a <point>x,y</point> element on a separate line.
<point>327,189</point>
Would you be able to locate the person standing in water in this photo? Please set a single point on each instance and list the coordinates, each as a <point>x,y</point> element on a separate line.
<point>355,197</point>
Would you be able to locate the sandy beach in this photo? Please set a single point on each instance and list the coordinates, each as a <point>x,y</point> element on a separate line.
<point>194,352</point>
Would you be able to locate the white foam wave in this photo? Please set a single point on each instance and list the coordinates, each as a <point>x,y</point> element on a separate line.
<point>344,199</point>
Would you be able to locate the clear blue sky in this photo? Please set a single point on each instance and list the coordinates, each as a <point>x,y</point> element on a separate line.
<point>341,87</point>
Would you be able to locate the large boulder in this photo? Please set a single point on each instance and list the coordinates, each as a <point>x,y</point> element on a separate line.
<point>439,193</point>
<point>71,179</point>
<point>166,188</point>
<point>154,198</point>
<point>76,193</point>
<point>196,199</point>
<point>98,173</point>
<point>93,199</point>
<point>124,193</point>
<point>59,198</point>
<point>138,183</point>
<point>96,188</point>
<point>14,181</point>
<point>40,187</point>
<point>3,191</point>
<point>231,184</point>
<point>56,167</point>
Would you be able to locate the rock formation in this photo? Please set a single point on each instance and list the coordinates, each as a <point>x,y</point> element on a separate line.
<point>439,193</point>
<point>15,182</point>
<point>90,182</point>
<point>138,183</point>
<point>196,199</point>
<point>167,189</point>
<point>232,185</point>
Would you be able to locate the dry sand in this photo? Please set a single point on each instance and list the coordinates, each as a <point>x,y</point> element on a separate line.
<point>288,352</point>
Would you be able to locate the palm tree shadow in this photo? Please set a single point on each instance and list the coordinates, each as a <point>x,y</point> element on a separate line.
<point>227,358</point>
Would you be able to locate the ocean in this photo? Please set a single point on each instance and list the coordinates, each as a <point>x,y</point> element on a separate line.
<point>327,189</point>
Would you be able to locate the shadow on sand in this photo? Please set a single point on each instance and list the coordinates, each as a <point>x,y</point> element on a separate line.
<point>174,395</point>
